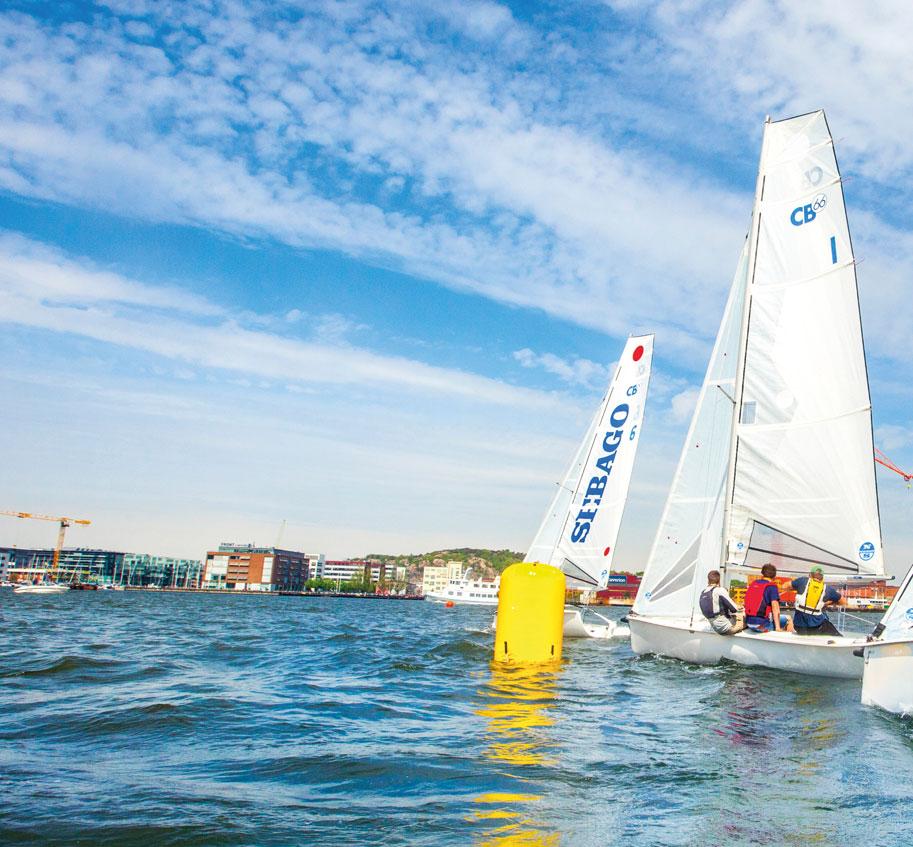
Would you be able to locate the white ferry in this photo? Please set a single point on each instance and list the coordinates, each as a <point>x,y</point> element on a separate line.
<point>476,592</point>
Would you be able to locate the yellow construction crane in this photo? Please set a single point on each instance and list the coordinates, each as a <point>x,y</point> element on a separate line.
<point>64,523</point>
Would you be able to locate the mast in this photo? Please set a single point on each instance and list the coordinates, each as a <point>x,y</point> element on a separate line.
<point>743,351</point>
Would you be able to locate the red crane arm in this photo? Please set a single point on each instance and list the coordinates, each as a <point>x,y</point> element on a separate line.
<point>887,463</point>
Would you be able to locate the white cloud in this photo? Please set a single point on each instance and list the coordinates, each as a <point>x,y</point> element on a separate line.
<point>833,57</point>
<point>506,193</point>
<point>893,437</point>
<point>577,371</point>
<point>683,403</point>
<point>43,288</point>
<point>536,213</point>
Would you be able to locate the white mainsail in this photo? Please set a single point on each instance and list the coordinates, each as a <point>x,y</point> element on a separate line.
<point>579,530</point>
<point>803,488</point>
<point>778,464</point>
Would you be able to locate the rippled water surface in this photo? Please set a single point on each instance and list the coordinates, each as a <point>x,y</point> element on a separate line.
<point>148,719</point>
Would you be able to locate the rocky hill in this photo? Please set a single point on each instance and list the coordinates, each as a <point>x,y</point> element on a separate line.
<point>478,562</point>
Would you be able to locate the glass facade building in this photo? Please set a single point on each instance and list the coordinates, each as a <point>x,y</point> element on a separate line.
<point>104,566</point>
<point>142,569</point>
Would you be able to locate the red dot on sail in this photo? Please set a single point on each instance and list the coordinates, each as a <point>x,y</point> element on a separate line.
<point>638,353</point>
<point>606,551</point>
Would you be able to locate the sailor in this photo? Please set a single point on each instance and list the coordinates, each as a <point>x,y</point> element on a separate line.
<point>762,604</point>
<point>813,597</point>
<point>725,617</point>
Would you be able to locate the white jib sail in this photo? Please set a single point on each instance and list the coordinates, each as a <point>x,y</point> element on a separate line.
<point>579,530</point>
<point>897,621</point>
<point>803,489</point>
<point>689,539</point>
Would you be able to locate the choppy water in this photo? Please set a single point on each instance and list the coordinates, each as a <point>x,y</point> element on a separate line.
<point>143,719</point>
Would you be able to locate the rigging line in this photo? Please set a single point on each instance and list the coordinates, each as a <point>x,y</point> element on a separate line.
<point>801,541</point>
<point>851,615</point>
<point>800,558</point>
<point>726,394</point>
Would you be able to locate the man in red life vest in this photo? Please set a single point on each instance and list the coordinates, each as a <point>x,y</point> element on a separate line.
<point>762,604</point>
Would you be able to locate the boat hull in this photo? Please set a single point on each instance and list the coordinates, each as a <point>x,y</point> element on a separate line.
<point>887,678</point>
<point>576,627</point>
<point>53,588</point>
<point>812,655</point>
<point>462,601</point>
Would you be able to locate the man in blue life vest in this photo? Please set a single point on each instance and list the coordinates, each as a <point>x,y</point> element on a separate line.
<point>716,605</point>
<point>762,604</point>
<point>813,597</point>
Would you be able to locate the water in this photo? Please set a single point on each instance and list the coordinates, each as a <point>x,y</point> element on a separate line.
<point>160,719</point>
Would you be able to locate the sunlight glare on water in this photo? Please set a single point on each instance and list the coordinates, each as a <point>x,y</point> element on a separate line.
<point>147,719</point>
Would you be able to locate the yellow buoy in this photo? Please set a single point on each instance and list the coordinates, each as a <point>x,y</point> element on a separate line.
<point>530,614</point>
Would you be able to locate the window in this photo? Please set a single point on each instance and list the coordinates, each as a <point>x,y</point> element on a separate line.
<point>749,412</point>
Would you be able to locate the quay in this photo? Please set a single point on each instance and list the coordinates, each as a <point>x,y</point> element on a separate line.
<point>229,592</point>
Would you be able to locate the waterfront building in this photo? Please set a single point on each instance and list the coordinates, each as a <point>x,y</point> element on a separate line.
<point>102,566</point>
<point>345,570</point>
<point>246,567</point>
<point>454,571</point>
<point>75,564</point>
<point>435,579</point>
<point>143,569</point>
<point>620,591</point>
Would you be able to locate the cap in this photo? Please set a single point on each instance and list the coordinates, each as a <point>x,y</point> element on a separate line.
<point>816,569</point>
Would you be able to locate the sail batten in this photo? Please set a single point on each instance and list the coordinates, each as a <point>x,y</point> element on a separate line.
<point>579,531</point>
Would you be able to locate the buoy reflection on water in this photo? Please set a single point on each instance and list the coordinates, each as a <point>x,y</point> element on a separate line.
<point>516,703</point>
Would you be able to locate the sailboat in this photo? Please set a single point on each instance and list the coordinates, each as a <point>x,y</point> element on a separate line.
<point>778,462</point>
<point>580,527</point>
<point>887,678</point>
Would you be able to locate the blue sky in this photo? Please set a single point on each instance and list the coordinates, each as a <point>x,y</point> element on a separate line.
<point>365,266</point>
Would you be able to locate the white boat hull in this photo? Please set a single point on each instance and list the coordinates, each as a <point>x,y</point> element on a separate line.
<point>576,627</point>
<point>812,655</point>
<point>46,588</point>
<point>887,678</point>
<point>462,601</point>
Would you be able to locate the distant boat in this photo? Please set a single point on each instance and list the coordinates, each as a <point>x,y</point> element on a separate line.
<point>471,592</point>
<point>41,588</point>
<point>580,527</point>
<point>778,462</point>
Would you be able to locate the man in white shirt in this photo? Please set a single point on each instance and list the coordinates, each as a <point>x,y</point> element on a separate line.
<point>716,605</point>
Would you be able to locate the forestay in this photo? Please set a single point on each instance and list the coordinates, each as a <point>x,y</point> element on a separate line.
<point>581,526</point>
<point>803,488</point>
<point>689,538</point>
